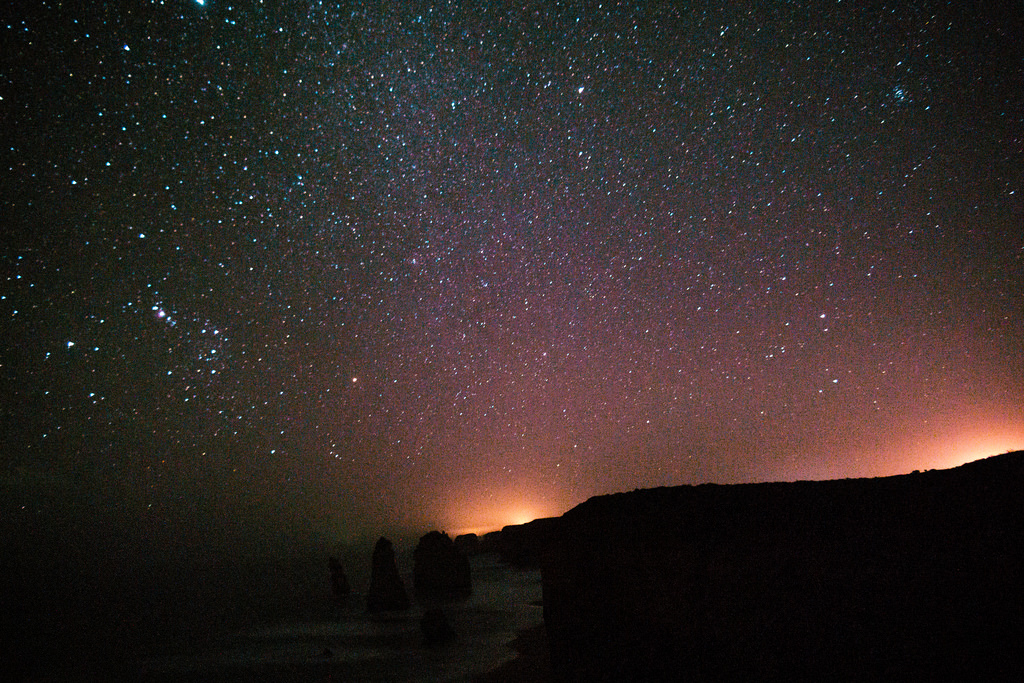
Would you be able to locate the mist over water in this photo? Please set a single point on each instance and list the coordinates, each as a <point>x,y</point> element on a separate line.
<point>267,619</point>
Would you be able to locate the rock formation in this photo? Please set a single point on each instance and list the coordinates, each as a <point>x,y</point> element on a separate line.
<point>439,567</point>
<point>521,545</point>
<point>467,544</point>
<point>912,577</point>
<point>490,542</point>
<point>387,592</point>
<point>339,582</point>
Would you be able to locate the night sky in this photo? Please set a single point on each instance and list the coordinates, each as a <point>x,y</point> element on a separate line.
<point>318,269</point>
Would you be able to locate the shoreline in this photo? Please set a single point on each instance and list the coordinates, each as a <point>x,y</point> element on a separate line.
<point>532,663</point>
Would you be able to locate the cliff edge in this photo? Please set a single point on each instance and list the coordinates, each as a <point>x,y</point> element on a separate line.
<point>859,579</point>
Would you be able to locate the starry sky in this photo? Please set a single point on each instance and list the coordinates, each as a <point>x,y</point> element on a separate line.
<point>334,268</point>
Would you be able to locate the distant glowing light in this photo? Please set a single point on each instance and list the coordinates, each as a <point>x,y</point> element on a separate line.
<point>956,440</point>
<point>476,514</point>
<point>968,447</point>
<point>521,516</point>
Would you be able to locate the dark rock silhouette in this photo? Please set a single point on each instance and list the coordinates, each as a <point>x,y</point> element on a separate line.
<point>439,567</point>
<point>490,542</point>
<point>467,544</point>
<point>387,592</point>
<point>339,582</point>
<point>912,577</point>
<point>522,545</point>
<point>436,629</point>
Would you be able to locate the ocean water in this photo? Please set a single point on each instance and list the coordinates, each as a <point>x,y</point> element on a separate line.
<point>324,639</point>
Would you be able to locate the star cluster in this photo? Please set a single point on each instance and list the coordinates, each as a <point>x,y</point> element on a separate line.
<point>400,263</point>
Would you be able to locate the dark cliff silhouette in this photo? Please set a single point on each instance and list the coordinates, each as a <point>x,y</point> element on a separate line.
<point>521,545</point>
<point>387,592</point>
<point>897,578</point>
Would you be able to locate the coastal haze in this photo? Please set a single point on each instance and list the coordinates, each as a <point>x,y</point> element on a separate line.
<point>280,278</point>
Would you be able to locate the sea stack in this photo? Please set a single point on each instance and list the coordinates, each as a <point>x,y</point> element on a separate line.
<point>439,567</point>
<point>468,544</point>
<point>387,592</point>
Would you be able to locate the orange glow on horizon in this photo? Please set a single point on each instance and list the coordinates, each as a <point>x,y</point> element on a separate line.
<point>969,448</point>
<point>482,516</point>
<point>965,440</point>
<point>497,522</point>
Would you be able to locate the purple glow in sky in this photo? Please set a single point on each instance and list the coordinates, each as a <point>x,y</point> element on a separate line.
<point>331,268</point>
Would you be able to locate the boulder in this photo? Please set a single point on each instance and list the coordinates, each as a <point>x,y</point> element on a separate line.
<point>387,592</point>
<point>439,567</point>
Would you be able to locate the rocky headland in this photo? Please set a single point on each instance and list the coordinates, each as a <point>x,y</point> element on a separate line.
<point>897,578</point>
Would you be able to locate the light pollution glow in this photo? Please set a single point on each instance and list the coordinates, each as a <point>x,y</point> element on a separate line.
<point>371,267</point>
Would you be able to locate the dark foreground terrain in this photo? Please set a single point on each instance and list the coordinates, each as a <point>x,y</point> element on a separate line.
<point>913,577</point>
<point>910,577</point>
